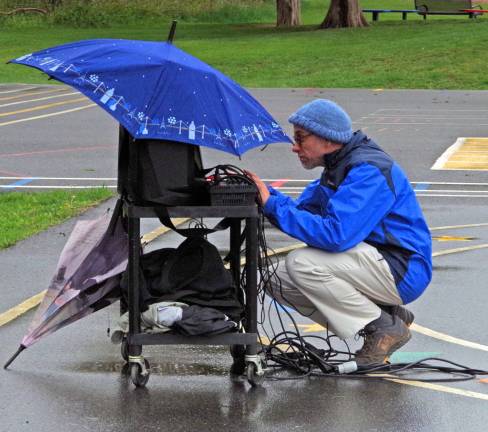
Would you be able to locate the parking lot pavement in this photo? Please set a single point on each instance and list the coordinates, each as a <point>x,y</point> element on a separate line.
<point>73,378</point>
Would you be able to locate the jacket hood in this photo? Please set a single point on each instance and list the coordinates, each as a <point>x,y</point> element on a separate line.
<point>358,139</point>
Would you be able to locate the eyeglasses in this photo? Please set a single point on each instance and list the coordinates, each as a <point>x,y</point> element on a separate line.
<point>299,137</point>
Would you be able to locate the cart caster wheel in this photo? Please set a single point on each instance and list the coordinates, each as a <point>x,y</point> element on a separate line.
<point>252,376</point>
<point>136,376</point>
<point>124,349</point>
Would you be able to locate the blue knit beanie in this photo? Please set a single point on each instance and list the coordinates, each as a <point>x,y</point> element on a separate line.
<point>325,119</point>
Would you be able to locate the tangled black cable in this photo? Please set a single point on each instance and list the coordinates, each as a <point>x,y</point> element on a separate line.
<point>296,353</point>
<point>227,174</point>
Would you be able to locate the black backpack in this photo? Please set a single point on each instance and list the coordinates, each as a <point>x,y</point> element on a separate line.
<point>194,273</point>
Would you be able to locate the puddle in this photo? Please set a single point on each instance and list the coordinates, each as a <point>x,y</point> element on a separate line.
<point>157,368</point>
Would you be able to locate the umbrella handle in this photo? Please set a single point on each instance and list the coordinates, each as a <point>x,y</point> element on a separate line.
<point>172,31</point>
<point>11,359</point>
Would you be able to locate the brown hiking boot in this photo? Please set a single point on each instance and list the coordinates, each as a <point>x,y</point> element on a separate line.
<point>382,337</point>
<point>399,311</point>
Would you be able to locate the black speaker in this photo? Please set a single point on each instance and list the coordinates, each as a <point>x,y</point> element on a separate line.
<point>160,171</point>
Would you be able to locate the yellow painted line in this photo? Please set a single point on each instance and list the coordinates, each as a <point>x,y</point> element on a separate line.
<point>41,107</point>
<point>30,94</point>
<point>311,328</point>
<point>447,338</point>
<point>451,238</point>
<point>21,308</point>
<point>47,115</point>
<point>149,237</point>
<point>263,340</point>
<point>34,301</point>
<point>441,388</point>
<point>460,155</point>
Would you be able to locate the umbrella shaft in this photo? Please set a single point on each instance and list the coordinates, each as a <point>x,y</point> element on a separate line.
<point>11,359</point>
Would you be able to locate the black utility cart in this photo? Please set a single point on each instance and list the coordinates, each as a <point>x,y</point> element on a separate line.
<point>136,186</point>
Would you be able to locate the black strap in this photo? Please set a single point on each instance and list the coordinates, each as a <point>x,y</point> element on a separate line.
<point>164,218</point>
<point>115,217</point>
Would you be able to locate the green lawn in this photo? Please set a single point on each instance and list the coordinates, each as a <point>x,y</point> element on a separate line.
<point>440,53</point>
<point>25,214</point>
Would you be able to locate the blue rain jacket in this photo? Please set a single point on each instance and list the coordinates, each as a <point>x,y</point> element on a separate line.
<point>362,195</point>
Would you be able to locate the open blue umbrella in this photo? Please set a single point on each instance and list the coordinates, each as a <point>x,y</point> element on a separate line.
<point>158,91</point>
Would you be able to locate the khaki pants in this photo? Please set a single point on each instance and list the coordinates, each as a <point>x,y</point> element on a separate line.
<point>337,290</point>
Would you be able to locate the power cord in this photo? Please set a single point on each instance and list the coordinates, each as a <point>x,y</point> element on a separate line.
<point>289,350</point>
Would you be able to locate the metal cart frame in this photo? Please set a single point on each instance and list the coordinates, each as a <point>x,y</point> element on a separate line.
<point>251,363</point>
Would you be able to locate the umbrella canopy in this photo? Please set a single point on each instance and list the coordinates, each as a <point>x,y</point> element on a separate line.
<point>86,279</point>
<point>157,91</point>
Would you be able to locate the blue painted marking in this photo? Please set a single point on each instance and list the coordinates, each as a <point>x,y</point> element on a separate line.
<point>20,182</point>
<point>421,187</point>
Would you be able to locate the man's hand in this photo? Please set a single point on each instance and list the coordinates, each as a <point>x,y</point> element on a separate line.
<point>262,189</point>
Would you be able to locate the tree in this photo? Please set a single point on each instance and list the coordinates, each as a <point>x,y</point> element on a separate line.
<point>52,4</point>
<point>344,13</point>
<point>287,13</point>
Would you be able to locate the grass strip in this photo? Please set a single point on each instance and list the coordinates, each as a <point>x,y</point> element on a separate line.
<point>23,214</point>
<point>436,54</point>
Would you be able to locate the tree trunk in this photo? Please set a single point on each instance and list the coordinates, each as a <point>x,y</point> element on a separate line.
<point>344,13</point>
<point>287,13</point>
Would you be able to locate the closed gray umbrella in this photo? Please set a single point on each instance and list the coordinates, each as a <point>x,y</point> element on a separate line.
<point>86,279</point>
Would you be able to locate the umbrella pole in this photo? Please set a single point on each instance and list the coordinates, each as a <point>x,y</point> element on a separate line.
<point>172,31</point>
<point>11,359</point>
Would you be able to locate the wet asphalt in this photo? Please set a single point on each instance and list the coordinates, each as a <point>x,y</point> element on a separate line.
<point>73,380</point>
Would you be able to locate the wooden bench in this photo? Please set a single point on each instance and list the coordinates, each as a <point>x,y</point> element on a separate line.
<point>472,13</point>
<point>376,12</point>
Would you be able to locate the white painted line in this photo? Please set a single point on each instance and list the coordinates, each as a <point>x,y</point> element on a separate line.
<point>293,188</point>
<point>289,188</point>
<point>451,183</point>
<point>434,110</point>
<point>450,195</point>
<point>289,180</point>
<point>62,178</point>
<point>56,187</point>
<point>266,180</point>
<point>373,123</point>
<point>17,90</point>
<point>440,195</point>
<point>458,226</point>
<point>459,250</point>
<point>46,115</point>
<point>454,191</point>
<point>425,117</point>
<point>447,338</point>
<point>39,99</point>
<point>441,161</point>
<point>466,169</point>
<point>36,93</point>
<point>441,388</point>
